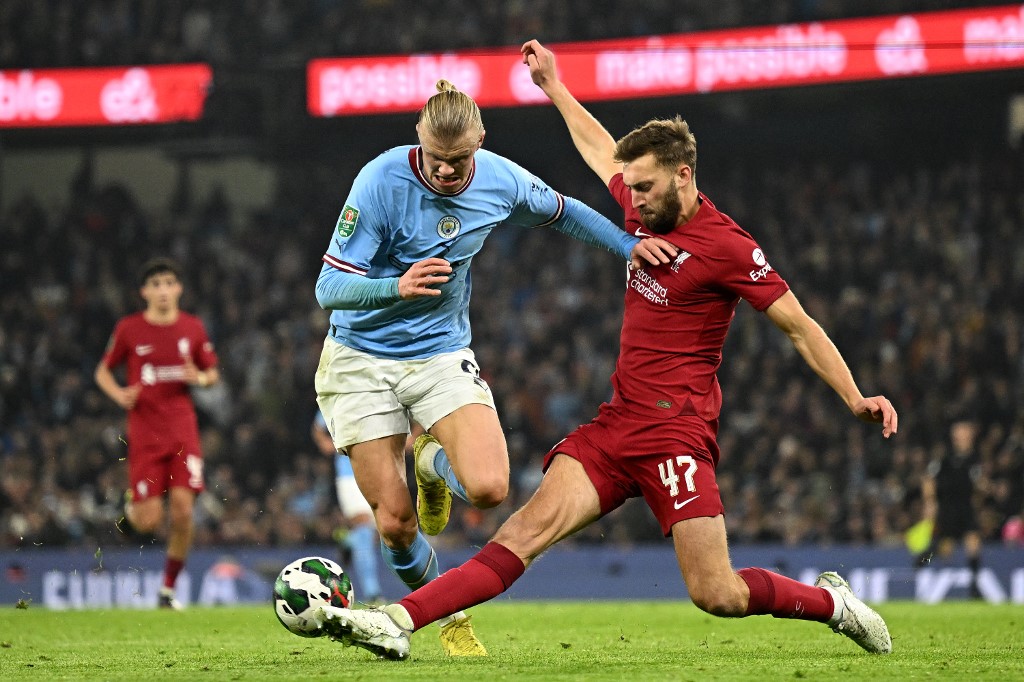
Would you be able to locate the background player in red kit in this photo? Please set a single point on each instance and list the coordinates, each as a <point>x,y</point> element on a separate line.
<point>166,351</point>
<point>657,435</point>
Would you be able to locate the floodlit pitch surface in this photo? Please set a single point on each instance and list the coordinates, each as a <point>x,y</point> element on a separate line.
<point>530,640</point>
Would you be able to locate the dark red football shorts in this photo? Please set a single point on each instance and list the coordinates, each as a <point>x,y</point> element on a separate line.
<point>157,465</point>
<point>671,463</point>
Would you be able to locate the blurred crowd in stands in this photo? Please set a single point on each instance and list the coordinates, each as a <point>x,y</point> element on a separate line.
<point>53,33</point>
<point>917,273</point>
<point>918,277</point>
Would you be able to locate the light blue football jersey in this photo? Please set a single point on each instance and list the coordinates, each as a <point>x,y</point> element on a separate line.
<point>393,218</point>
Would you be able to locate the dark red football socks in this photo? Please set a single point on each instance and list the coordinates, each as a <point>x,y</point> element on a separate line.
<point>485,576</point>
<point>782,597</point>
<point>171,570</point>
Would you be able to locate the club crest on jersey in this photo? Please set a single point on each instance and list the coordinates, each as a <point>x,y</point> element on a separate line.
<point>679,261</point>
<point>347,221</point>
<point>448,227</point>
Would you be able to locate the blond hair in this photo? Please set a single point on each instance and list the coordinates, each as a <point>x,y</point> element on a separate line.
<point>669,140</point>
<point>450,114</point>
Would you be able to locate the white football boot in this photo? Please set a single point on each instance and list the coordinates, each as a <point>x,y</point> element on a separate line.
<point>854,618</point>
<point>371,629</point>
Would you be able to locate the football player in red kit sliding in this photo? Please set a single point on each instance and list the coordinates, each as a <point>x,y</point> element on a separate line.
<point>167,352</point>
<point>657,436</point>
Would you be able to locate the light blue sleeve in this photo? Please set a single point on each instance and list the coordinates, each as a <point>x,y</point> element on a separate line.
<point>535,203</point>
<point>361,227</point>
<point>581,222</point>
<point>340,290</point>
<point>362,224</point>
<point>539,206</point>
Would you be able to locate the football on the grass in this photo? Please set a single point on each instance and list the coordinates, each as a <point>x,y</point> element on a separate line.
<point>305,585</point>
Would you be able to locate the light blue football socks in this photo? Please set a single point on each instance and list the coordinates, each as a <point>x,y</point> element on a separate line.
<point>415,566</point>
<point>362,540</point>
<point>444,469</point>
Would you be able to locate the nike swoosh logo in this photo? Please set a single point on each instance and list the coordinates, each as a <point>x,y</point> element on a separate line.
<point>680,505</point>
<point>640,233</point>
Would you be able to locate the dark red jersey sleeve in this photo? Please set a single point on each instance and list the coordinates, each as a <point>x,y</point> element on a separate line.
<point>117,347</point>
<point>203,354</point>
<point>744,270</point>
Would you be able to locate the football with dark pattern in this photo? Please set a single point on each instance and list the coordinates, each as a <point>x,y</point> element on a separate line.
<point>303,587</point>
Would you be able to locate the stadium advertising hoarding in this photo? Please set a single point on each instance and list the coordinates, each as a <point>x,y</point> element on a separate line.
<point>786,55</point>
<point>103,96</point>
<point>80,579</point>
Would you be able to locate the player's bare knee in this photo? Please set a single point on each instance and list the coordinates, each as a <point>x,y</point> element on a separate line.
<point>181,517</point>
<point>146,522</point>
<point>488,494</point>
<point>723,608</point>
<point>396,531</point>
<point>721,603</point>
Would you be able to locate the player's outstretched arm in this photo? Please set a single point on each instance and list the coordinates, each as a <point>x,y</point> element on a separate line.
<point>594,143</point>
<point>824,358</point>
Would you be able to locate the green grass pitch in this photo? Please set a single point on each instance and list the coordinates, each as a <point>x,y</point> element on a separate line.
<point>635,641</point>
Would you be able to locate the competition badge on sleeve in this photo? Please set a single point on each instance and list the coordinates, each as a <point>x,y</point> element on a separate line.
<point>347,221</point>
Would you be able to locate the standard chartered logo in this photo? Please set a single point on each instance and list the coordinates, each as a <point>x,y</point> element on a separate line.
<point>648,287</point>
<point>156,374</point>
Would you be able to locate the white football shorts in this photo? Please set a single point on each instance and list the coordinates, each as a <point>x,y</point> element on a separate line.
<point>364,397</point>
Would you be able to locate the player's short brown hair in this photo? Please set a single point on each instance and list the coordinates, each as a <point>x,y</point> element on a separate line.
<point>450,114</point>
<point>158,266</point>
<point>669,140</point>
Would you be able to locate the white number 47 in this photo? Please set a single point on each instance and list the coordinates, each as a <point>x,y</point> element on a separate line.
<point>670,478</point>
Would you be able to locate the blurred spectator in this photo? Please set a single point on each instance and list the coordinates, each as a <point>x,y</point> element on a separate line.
<point>950,490</point>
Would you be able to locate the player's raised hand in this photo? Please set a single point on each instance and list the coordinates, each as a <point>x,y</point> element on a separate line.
<point>652,251</point>
<point>541,61</point>
<point>878,410</point>
<point>424,278</point>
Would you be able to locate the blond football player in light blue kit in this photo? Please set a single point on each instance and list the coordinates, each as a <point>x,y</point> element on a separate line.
<point>397,277</point>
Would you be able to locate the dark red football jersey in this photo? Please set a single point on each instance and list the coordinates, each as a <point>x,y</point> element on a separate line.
<point>677,314</point>
<point>155,356</point>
